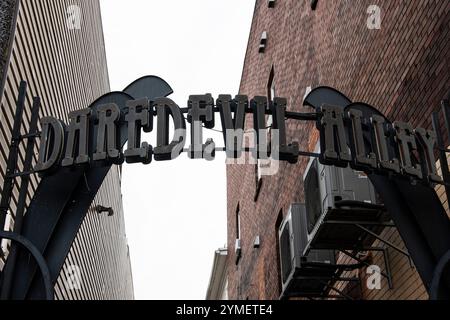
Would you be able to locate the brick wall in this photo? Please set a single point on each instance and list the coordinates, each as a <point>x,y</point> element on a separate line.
<point>402,69</point>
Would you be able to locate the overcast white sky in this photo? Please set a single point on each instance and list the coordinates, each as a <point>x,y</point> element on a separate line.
<point>175,212</point>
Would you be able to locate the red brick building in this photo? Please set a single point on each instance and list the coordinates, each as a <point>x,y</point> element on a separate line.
<point>397,61</point>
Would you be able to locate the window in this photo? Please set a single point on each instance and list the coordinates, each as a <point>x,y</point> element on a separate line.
<point>271,85</point>
<point>271,93</point>
<point>238,246</point>
<point>238,223</point>
<point>307,91</point>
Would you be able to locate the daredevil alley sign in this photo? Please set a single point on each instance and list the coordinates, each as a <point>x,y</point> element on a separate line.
<point>93,135</point>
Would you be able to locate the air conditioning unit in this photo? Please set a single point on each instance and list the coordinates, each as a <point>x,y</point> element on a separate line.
<point>333,193</point>
<point>302,274</point>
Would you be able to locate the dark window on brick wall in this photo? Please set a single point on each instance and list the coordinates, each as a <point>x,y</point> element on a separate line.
<point>271,84</point>
<point>238,223</point>
<point>269,121</point>
<point>238,244</point>
<point>271,94</point>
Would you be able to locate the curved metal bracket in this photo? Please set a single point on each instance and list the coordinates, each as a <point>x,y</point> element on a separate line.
<point>437,291</point>
<point>59,225</point>
<point>326,95</point>
<point>148,86</point>
<point>24,242</point>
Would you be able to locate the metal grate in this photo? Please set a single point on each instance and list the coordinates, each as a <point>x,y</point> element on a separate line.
<point>312,196</point>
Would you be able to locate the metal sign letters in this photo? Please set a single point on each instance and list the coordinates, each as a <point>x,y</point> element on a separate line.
<point>94,135</point>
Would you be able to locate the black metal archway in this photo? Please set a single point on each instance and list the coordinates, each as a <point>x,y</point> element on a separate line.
<point>62,199</point>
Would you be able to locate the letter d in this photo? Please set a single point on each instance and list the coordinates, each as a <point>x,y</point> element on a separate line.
<point>52,143</point>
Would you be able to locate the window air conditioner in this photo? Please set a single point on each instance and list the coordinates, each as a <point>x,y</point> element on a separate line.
<point>301,274</point>
<point>329,188</point>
